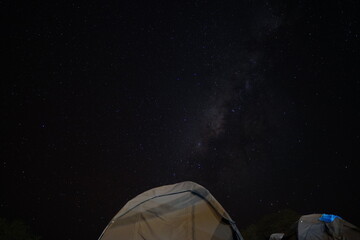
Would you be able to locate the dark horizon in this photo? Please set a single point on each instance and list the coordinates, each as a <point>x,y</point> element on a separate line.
<point>256,101</point>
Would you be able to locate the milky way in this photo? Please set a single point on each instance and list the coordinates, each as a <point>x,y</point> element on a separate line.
<point>256,101</point>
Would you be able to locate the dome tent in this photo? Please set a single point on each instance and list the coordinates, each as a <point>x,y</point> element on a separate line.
<point>322,227</point>
<point>181,211</point>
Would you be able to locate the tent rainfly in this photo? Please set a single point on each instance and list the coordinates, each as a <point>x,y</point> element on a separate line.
<point>183,211</point>
<point>322,227</point>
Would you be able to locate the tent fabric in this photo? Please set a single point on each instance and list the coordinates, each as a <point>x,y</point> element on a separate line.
<point>276,236</point>
<point>309,227</point>
<point>183,211</point>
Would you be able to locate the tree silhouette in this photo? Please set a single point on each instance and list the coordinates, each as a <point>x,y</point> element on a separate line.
<point>272,223</point>
<point>15,230</point>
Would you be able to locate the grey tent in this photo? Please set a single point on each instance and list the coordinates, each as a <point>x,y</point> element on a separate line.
<point>322,227</point>
<point>276,236</point>
<point>183,211</point>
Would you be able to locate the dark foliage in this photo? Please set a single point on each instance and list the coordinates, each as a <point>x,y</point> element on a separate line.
<point>15,230</point>
<point>272,223</point>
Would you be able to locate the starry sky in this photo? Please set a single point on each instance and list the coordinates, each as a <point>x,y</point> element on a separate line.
<point>258,101</point>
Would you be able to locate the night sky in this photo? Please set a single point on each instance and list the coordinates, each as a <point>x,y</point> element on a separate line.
<point>257,101</point>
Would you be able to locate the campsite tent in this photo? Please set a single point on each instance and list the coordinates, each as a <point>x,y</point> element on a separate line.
<point>173,212</point>
<point>276,236</point>
<point>322,227</point>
